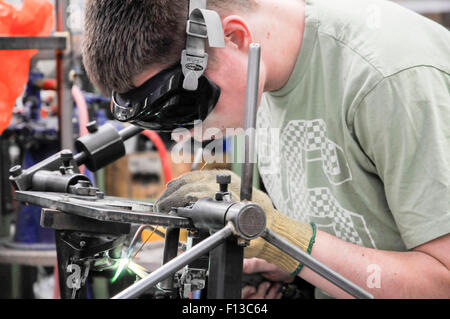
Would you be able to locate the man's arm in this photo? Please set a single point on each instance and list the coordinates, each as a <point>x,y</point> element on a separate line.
<point>421,273</point>
<point>402,126</point>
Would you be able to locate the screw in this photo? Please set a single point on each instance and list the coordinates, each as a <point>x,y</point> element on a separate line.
<point>223,180</point>
<point>66,154</point>
<point>66,157</point>
<point>82,244</point>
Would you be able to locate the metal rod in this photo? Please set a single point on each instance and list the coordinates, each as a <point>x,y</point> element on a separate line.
<point>315,265</point>
<point>175,264</point>
<point>139,233</point>
<point>63,66</point>
<point>251,108</point>
<point>39,43</point>
<point>80,158</point>
<point>130,131</point>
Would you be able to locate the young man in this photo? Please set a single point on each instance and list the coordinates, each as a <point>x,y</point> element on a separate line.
<point>359,90</point>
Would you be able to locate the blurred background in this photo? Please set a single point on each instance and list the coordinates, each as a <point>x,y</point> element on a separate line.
<point>52,101</point>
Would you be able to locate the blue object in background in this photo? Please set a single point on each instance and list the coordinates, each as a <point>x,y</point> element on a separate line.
<point>197,294</point>
<point>28,229</point>
<point>33,96</point>
<point>29,234</point>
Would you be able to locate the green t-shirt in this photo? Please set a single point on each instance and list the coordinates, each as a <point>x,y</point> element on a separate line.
<point>360,135</point>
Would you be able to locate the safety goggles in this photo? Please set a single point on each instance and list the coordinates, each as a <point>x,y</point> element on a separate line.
<point>162,104</point>
<point>181,95</point>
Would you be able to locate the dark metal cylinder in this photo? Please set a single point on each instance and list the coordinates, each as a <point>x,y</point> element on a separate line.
<point>170,252</point>
<point>207,213</point>
<point>101,148</point>
<point>127,133</point>
<point>48,181</point>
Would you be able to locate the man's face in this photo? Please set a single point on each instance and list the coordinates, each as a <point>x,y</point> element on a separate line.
<point>228,69</point>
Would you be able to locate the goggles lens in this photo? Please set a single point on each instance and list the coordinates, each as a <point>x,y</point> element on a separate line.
<point>162,104</point>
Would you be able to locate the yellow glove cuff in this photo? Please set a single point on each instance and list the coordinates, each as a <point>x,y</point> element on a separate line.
<point>300,234</point>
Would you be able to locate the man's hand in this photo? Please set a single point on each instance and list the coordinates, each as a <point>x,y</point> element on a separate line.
<point>199,184</point>
<point>267,270</point>
<point>267,289</point>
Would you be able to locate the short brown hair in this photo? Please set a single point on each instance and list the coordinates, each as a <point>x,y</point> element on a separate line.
<point>123,38</point>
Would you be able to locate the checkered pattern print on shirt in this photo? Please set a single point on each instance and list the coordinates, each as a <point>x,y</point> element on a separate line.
<point>291,153</point>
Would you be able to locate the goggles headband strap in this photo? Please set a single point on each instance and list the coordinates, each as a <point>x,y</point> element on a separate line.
<point>202,24</point>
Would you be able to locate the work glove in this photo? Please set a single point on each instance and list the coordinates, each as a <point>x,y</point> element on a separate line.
<point>199,184</point>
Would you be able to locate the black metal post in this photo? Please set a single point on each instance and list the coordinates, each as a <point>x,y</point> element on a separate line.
<point>64,252</point>
<point>225,271</point>
<point>170,252</point>
<point>77,238</point>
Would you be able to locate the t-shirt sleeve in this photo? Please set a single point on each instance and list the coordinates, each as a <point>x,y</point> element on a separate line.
<point>403,125</point>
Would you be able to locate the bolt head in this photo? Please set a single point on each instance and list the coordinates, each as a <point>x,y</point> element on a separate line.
<point>92,127</point>
<point>66,153</point>
<point>223,179</point>
<point>66,156</point>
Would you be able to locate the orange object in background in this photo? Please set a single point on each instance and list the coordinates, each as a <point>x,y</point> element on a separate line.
<point>34,18</point>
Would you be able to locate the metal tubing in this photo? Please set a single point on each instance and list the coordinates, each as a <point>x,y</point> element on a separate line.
<point>80,158</point>
<point>175,264</point>
<point>251,108</point>
<point>129,132</point>
<point>38,43</point>
<point>315,265</point>
<point>63,66</point>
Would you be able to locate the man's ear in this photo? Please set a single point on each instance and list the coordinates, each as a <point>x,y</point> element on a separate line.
<point>237,32</point>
